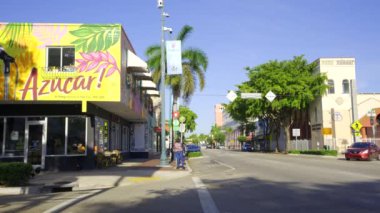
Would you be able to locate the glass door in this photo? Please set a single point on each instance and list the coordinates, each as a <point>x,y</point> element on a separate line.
<point>35,139</point>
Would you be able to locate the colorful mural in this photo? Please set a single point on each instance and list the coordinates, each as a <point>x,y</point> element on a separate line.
<point>61,62</point>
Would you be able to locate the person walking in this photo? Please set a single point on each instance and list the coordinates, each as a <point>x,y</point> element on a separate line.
<point>178,153</point>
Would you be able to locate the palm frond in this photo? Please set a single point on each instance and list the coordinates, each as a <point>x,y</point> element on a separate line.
<point>184,33</point>
<point>189,83</point>
<point>153,50</point>
<point>195,56</point>
<point>201,78</point>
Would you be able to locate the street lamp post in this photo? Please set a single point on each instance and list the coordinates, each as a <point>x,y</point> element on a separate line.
<point>163,159</point>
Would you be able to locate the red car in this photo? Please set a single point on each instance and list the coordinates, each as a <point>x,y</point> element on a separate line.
<point>363,151</point>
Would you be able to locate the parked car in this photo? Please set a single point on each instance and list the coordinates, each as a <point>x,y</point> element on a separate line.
<point>246,147</point>
<point>193,148</point>
<point>363,151</point>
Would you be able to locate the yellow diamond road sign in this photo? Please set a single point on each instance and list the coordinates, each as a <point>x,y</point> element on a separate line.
<point>356,126</point>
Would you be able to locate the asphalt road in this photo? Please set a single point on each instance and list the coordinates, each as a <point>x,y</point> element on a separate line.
<point>257,182</point>
<point>233,181</point>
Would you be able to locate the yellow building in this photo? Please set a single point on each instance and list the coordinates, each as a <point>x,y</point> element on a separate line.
<point>70,91</point>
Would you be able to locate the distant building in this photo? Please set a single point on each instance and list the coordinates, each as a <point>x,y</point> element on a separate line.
<point>232,131</point>
<point>218,110</point>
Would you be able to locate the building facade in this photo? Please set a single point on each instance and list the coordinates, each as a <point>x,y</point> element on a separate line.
<point>72,91</point>
<point>332,115</point>
<point>326,124</point>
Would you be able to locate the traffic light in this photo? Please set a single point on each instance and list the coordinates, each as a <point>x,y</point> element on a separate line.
<point>175,115</point>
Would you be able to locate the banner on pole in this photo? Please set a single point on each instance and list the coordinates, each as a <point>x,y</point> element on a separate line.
<point>174,57</point>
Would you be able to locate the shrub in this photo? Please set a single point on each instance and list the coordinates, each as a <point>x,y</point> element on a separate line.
<point>242,138</point>
<point>194,154</point>
<point>315,152</point>
<point>15,173</point>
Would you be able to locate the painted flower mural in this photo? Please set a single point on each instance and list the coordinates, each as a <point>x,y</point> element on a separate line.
<point>95,59</point>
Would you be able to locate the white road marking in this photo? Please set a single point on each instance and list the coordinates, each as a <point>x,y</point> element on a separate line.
<point>207,203</point>
<point>70,202</point>
<point>226,165</point>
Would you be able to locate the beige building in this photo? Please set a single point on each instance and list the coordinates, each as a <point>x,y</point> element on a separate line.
<point>331,116</point>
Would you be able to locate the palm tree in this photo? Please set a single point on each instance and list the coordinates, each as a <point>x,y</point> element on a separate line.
<point>194,65</point>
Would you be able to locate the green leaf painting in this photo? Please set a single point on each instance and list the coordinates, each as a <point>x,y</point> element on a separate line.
<point>16,32</point>
<point>93,38</point>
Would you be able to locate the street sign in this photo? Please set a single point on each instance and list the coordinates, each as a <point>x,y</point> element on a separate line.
<point>356,126</point>
<point>182,127</point>
<point>327,131</point>
<point>270,96</point>
<point>250,95</point>
<point>296,132</point>
<point>175,122</point>
<point>357,134</point>
<point>231,96</point>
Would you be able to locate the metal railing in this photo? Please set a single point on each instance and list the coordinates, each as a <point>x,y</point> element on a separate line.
<point>302,145</point>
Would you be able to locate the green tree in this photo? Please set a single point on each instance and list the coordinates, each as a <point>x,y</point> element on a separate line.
<point>194,138</point>
<point>242,138</point>
<point>190,117</point>
<point>218,134</point>
<point>194,65</point>
<point>295,87</point>
<point>203,137</point>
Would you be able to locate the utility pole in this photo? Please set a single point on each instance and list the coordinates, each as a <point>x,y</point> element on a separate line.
<point>163,159</point>
<point>354,105</point>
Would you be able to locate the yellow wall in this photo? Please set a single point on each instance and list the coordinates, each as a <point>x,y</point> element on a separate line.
<point>95,75</point>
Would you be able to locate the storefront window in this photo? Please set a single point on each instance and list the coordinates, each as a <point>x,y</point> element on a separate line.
<point>124,138</point>
<point>15,137</point>
<point>56,136</point>
<point>1,135</point>
<point>115,137</point>
<point>76,138</point>
<point>101,134</point>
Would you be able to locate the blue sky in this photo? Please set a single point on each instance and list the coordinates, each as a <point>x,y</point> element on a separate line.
<point>234,34</point>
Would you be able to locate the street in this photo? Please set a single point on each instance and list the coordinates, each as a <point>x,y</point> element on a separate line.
<point>256,182</point>
<point>233,181</point>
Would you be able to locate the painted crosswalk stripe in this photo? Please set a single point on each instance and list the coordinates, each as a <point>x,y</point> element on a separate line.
<point>70,202</point>
<point>207,203</point>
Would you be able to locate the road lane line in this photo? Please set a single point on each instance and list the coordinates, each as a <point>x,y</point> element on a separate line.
<point>226,165</point>
<point>70,202</point>
<point>207,203</point>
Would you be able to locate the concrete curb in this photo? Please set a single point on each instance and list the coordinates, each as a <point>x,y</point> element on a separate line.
<point>318,156</point>
<point>84,182</point>
<point>23,190</point>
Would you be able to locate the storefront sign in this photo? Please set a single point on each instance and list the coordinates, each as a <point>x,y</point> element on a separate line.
<point>63,62</point>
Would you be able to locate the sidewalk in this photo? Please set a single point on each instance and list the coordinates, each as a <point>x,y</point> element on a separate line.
<point>132,171</point>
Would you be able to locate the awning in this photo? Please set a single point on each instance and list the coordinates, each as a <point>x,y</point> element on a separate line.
<point>143,76</point>
<point>147,84</point>
<point>152,93</point>
<point>135,64</point>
